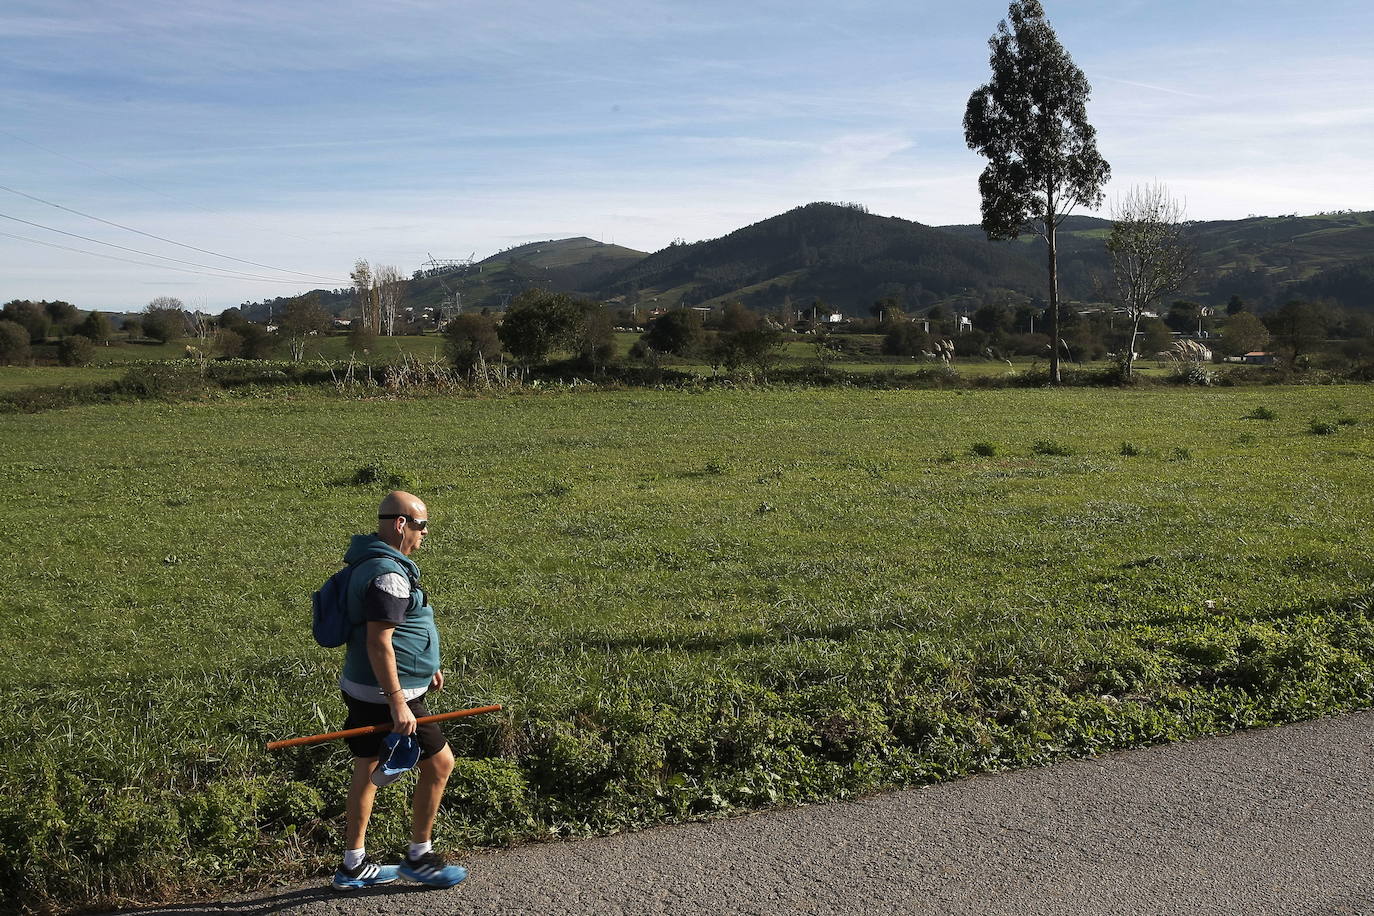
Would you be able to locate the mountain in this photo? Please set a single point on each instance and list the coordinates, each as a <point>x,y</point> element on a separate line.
<point>574,265</point>
<point>577,265</point>
<point>850,258</point>
<point>840,254</point>
<point>1262,259</point>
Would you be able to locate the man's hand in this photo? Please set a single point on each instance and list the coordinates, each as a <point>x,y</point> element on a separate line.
<point>438,682</point>
<point>402,719</point>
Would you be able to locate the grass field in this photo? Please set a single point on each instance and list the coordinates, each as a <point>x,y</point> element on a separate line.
<point>688,603</point>
<point>13,378</point>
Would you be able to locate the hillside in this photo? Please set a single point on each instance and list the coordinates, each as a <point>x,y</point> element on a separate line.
<point>849,258</point>
<point>1262,259</point>
<point>574,265</point>
<point>842,255</point>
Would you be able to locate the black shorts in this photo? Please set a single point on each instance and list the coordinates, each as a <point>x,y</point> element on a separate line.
<point>429,734</point>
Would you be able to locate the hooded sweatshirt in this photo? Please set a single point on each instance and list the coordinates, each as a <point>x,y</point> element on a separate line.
<point>416,641</point>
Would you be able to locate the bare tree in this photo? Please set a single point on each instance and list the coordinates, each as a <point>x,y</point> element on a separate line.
<point>390,287</point>
<point>1150,252</point>
<point>203,326</point>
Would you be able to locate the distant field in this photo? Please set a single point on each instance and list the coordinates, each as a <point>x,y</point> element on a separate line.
<point>13,378</point>
<point>330,347</point>
<point>688,602</point>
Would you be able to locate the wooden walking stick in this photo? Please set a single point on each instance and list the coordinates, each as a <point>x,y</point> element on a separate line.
<point>376,729</point>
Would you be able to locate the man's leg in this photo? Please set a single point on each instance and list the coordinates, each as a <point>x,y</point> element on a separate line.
<point>357,870</point>
<point>361,794</point>
<point>422,863</point>
<point>429,789</point>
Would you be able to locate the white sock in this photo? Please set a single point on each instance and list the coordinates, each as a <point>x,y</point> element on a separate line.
<point>419,849</point>
<point>354,857</point>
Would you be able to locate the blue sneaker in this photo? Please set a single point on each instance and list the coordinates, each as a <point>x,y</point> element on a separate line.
<point>432,870</point>
<point>367,874</point>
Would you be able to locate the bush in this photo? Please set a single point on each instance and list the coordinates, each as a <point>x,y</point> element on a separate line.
<point>1129,451</point>
<point>75,350</point>
<point>470,341</point>
<point>1321,427</point>
<point>96,326</point>
<point>14,343</point>
<point>257,342</point>
<point>361,338</point>
<point>1261,413</point>
<point>983,449</point>
<point>1193,374</point>
<point>1051,447</point>
<point>378,473</point>
<point>168,380</point>
<point>229,343</point>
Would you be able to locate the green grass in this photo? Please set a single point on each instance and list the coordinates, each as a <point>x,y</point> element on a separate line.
<point>14,378</point>
<point>688,602</point>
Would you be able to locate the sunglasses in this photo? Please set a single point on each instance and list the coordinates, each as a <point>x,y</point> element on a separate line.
<point>419,524</point>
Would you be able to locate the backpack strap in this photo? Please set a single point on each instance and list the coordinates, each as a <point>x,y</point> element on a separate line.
<point>389,564</point>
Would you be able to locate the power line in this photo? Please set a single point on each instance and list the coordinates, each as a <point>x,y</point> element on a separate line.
<point>220,272</point>
<point>168,241</point>
<point>115,257</point>
<point>143,187</point>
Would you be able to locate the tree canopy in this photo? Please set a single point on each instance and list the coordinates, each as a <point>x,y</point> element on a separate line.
<point>538,323</point>
<point>1031,123</point>
<point>678,331</point>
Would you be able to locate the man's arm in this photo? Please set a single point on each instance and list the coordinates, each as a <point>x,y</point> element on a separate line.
<point>383,657</point>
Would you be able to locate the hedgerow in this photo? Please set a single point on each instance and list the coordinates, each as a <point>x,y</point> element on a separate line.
<point>172,380</point>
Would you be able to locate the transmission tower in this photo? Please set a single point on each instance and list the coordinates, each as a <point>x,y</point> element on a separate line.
<point>441,269</point>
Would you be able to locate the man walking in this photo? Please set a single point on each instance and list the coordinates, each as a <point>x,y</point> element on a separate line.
<point>391,663</point>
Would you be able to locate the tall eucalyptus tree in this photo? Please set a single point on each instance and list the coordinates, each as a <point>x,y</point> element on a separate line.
<point>1030,121</point>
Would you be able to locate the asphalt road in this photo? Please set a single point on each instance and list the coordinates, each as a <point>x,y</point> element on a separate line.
<point>1276,821</point>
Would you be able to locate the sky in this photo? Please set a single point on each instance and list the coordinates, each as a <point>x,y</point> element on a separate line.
<point>248,150</point>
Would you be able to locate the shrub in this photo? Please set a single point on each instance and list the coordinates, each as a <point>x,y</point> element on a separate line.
<point>96,326</point>
<point>257,342</point>
<point>1321,427</point>
<point>1050,447</point>
<point>1261,413</point>
<point>162,380</point>
<point>1193,374</point>
<point>983,449</point>
<point>14,343</point>
<point>1129,451</point>
<point>375,472</point>
<point>229,343</point>
<point>75,350</point>
<point>470,341</point>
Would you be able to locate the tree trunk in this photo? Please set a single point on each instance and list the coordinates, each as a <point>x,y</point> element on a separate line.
<point>1130,347</point>
<point>1055,378</point>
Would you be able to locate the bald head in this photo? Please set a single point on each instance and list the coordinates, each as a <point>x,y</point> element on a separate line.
<point>399,502</point>
<point>401,520</point>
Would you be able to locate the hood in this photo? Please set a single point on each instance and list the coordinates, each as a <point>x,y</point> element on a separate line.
<point>364,546</point>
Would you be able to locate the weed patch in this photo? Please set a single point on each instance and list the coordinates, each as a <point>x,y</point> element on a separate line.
<point>1052,448</point>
